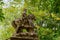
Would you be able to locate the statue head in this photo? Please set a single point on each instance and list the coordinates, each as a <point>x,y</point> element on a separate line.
<point>24,13</point>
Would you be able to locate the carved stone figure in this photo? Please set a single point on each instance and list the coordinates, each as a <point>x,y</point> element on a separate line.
<point>26,22</point>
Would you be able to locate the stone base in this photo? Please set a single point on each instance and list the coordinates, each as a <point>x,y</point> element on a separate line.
<point>25,36</point>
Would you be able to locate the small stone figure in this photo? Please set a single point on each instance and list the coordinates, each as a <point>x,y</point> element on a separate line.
<point>26,22</point>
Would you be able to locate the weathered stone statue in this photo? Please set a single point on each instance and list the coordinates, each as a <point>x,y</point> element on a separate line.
<point>26,22</point>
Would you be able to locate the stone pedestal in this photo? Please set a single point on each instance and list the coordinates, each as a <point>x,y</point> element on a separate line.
<point>25,36</point>
<point>29,35</point>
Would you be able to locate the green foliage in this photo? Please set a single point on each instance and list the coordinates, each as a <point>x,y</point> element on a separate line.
<point>1,13</point>
<point>56,6</point>
<point>50,5</point>
<point>45,34</point>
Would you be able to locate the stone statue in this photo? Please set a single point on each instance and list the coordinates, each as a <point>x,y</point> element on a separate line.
<point>26,22</point>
